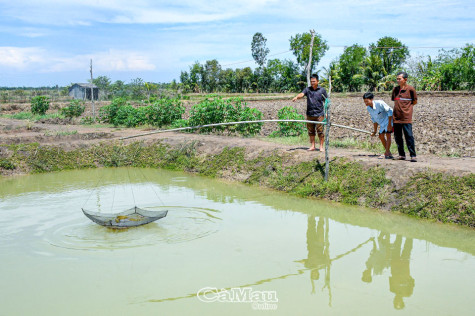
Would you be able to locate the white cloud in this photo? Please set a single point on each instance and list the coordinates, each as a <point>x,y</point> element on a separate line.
<point>21,58</point>
<point>85,12</point>
<point>43,61</point>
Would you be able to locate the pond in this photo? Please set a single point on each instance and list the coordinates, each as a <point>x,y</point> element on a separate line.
<point>223,248</point>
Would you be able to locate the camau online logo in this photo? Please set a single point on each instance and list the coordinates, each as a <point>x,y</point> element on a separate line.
<point>263,300</point>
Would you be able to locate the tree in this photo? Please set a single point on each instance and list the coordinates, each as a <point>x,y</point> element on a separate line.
<point>196,77</point>
<point>137,88</point>
<point>467,61</point>
<point>227,80</point>
<point>185,80</point>
<point>391,52</point>
<point>334,72</point>
<point>350,67</point>
<point>118,89</point>
<point>244,79</point>
<point>300,45</point>
<point>150,87</point>
<point>103,83</point>
<point>285,75</point>
<point>457,68</point>
<point>212,68</point>
<point>373,71</point>
<point>259,49</point>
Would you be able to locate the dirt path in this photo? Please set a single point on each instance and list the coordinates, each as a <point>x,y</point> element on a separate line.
<point>73,136</point>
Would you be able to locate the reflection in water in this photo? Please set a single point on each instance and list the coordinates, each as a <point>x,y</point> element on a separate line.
<point>401,283</point>
<point>318,247</point>
<point>385,255</point>
<point>379,258</point>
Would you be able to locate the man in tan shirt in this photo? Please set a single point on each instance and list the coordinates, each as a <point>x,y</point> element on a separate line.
<point>404,97</point>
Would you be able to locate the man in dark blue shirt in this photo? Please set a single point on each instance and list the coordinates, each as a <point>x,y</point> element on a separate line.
<point>315,110</point>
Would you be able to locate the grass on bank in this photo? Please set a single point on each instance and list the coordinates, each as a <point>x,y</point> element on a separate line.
<point>32,117</point>
<point>373,146</point>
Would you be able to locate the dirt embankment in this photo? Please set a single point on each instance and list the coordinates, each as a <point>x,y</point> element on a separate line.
<point>443,121</point>
<point>443,126</point>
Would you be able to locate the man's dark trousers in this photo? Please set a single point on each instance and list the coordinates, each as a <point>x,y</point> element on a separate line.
<point>406,128</point>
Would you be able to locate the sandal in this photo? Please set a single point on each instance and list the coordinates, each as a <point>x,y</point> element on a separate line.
<point>401,158</point>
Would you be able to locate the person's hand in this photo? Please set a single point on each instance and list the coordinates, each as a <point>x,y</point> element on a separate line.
<point>294,99</point>
<point>390,127</point>
<point>373,134</point>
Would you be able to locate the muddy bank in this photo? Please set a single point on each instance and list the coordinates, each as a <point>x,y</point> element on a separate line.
<point>427,194</point>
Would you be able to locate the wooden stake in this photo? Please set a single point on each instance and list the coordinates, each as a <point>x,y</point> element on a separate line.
<point>327,132</point>
<point>92,97</point>
<point>309,65</point>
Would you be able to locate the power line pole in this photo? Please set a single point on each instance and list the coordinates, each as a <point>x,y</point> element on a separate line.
<point>309,65</point>
<point>92,97</point>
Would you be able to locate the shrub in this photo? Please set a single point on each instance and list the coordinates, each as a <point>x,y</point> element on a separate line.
<point>165,111</point>
<point>213,109</point>
<point>249,114</point>
<point>75,109</point>
<point>125,115</point>
<point>39,104</point>
<point>162,112</point>
<point>109,112</point>
<point>180,123</point>
<point>289,128</point>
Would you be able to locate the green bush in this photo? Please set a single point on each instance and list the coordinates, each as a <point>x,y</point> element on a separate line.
<point>39,104</point>
<point>75,109</point>
<point>165,112</point>
<point>213,109</point>
<point>180,123</point>
<point>109,112</point>
<point>126,115</point>
<point>289,128</point>
<point>249,114</point>
<point>162,112</point>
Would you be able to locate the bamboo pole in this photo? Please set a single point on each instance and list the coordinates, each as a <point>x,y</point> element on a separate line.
<point>309,65</point>
<point>327,131</point>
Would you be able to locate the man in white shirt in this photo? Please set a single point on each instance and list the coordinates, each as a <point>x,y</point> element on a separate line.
<point>382,115</point>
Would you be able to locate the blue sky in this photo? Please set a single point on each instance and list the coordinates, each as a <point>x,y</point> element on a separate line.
<point>49,42</point>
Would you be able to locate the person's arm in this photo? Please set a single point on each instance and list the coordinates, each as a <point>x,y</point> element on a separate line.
<point>388,109</point>
<point>299,96</point>
<point>414,97</point>
<point>375,129</point>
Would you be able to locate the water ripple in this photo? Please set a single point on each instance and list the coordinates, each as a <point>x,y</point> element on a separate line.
<point>182,224</point>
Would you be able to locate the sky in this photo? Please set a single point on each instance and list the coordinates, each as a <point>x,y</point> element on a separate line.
<point>51,42</point>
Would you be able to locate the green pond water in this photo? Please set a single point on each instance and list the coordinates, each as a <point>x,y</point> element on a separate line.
<point>244,250</point>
